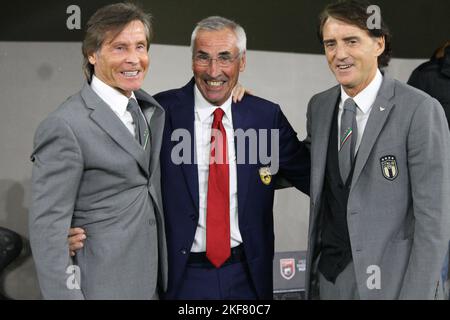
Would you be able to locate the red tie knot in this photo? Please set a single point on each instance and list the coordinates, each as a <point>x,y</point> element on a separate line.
<point>218,114</point>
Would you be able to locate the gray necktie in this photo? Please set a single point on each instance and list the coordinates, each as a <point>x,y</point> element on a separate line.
<point>349,135</point>
<point>140,125</point>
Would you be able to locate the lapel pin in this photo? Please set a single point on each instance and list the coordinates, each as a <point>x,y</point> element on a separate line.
<point>146,135</point>
<point>265,175</point>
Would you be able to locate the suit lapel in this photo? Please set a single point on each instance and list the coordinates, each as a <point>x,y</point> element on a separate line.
<point>157,128</point>
<point>240,121</point>
<point>183,117</point>
<point>381,109</point>
<point>154,115</point>
<point>323,117</point>
<point>111,124</point>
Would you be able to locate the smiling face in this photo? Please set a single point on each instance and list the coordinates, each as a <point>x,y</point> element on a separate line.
<point>352,54</point>
<point>122,61</point>
<point>216,82</point>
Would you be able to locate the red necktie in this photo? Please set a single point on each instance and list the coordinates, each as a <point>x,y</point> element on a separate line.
<point>218,205</point>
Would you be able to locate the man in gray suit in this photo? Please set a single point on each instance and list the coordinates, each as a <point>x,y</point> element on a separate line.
<point>96,166</point>
<point>380,204</point>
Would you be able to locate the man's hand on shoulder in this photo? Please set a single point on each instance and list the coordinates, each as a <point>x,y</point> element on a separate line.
<point>239,92</point>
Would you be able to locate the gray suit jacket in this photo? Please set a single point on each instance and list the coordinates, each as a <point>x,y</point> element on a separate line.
<point>90,172</point>
<point>398,217</point>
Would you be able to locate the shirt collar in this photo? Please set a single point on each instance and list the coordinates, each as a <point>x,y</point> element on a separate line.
<point>366,98</point>
<point>205,109</point>
<point>116,100</point>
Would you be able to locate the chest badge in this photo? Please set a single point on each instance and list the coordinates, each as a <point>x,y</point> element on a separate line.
<point>265,175</point>
<point>389,167</point>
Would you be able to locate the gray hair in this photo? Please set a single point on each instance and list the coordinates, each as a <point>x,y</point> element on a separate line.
<point>216,23</point>
<point>114,18</point>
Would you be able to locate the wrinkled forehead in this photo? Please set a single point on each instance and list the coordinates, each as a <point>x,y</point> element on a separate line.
<point>216,41</point>
<point>341,30</point>
<point>134,31</point>
<point>334,26</point>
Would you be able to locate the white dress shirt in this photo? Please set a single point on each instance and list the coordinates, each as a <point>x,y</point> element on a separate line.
<point>364,100</point>
<point>204,116</point>
<point>116,101</point>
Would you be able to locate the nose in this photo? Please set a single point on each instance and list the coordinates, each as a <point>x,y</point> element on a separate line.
<point>214,68</point>
<point>132,57</point>
<point>341,51</point>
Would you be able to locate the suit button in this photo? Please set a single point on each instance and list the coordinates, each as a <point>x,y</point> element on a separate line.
<point>183,251</point>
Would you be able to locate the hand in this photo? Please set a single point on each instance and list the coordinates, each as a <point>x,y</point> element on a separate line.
<point>75,240</point>
<point>239,92</point>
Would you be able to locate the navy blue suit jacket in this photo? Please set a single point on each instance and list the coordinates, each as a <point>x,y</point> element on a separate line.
<point>255,199</point>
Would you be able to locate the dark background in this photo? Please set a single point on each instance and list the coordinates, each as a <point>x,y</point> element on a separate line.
<point>418,26</point>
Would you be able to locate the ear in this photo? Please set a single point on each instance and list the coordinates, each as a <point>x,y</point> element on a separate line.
<point>243,62</point>
<point>92,58</point>
<point>380,43</point>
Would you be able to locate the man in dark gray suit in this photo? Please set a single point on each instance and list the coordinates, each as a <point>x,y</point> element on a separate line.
<point>380,205</point>
<point>96,166</point>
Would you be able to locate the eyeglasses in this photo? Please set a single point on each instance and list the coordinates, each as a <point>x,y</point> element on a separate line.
<point>224,60</point>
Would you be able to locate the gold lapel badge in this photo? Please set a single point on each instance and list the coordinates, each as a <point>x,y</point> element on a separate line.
<point>265,175</point>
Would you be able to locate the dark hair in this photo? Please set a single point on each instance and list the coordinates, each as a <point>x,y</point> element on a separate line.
<point>355,13</point>
<point>110,18</point>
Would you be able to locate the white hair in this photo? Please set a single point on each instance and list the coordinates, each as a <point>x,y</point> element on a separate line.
<point>216,23</point>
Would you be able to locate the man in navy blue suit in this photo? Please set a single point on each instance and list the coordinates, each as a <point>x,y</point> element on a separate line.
<point>190,197</point>
<point>219,162</point>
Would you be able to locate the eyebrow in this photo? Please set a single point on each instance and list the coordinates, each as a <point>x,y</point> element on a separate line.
<point>351,38</point>
<point>126,44</point>
<point>220,53</point>
<point>118,43</point>
<point>328,41</point>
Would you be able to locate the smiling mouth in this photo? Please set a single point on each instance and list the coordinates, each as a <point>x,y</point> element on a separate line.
<point>344,66</point>
<point>130,74</point>
<point>214,84</point>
